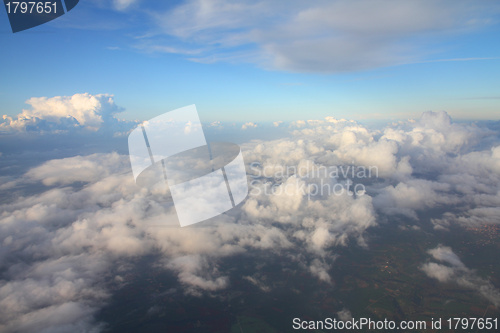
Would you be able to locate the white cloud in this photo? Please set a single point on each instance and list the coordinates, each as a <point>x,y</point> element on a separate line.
<point>216,123</point>
<point>458,273</point>
<point>248,125</point>
<point>88,169</point>
<point>319,36</point>
<point>344,315</point>
<point>258,283</point>
<point>439,272</point>
<point>93,215</point>
<point>445,254</point>
<point>320,269</point>
<point>85,215</point>
<point>53,295</point>
<point>411,195</point>
<point>64,113</point>
<point>195,271</point>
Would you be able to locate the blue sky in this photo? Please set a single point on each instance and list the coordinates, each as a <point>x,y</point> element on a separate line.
<point>263,61</point>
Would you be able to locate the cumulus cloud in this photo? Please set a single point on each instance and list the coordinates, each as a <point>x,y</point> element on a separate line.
<point>216,123</point>
<point>70,223</point>
<point>92,215</point>
<point>406,167</point>
<point>64,113</point>
<point>53,295</point>
<point>58,246</point>
<point>320,269</point>
<point>409,196</point>
<point>454,271</point>
<point>248,125</point>
<point>446,254</point>
<point>344,315</point>
<point>320,36</point>
<point>196,273</point>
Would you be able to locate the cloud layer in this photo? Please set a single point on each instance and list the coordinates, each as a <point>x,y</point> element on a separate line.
<point>70,225</point>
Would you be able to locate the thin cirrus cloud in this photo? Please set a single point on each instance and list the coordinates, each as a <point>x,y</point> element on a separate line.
<point>320,36</point>
<point>70,226</point>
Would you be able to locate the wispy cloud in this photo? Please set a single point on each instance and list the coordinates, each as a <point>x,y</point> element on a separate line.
<point>321,36</point>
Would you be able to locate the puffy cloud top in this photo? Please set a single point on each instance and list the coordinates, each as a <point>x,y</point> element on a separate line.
<point>72,222</point>
<point>63,113</point>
